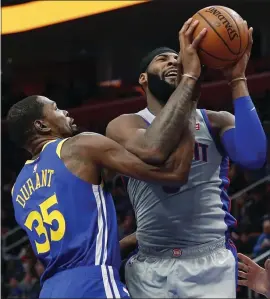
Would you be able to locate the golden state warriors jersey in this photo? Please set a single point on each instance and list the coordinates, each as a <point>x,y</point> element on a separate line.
<point>69,222</point>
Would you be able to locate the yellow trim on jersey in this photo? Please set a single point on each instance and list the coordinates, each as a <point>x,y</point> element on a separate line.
<point>102,184</point>
<point>59,147</point>
<point>12,190</point>
<point>31,161</point>
<point>47,144</point>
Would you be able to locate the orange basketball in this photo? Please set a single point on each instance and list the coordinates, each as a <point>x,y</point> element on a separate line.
<point>226,39</point>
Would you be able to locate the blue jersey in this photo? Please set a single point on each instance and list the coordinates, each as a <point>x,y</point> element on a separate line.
<point>70,223</point>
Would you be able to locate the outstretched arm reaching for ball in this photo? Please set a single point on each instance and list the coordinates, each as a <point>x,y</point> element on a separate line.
<point>254,277</point>
<point>153,144</point>
<point>242,135</point>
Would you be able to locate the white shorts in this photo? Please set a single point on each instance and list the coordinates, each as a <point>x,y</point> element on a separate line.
<point>205,271</point>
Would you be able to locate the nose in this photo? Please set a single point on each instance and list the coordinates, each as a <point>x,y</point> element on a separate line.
<point>66,113</point>
<point>172,61</point>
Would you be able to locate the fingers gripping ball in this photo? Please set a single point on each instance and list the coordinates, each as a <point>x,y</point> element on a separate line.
<point>227,36</point>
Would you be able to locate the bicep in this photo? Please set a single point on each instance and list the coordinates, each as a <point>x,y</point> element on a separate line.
<point>226,121</point>
<point>129,131</point>
<point>126,129</point>
<point>223,124</point>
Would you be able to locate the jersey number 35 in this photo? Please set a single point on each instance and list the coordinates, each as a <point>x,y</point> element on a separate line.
<point>43,217</point>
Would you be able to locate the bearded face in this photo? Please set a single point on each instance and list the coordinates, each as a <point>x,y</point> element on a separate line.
<point>162,76</point>
<point>160,88</point>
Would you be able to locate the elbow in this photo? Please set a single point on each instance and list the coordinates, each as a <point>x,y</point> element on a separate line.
<point>153,157</point>
<point>183,179</point>
<point>182,173</point>
<point>183,169</point>
<point>179,178</point>
<point>258,161</point>
<point>253,158</point>
<point>183,176</point>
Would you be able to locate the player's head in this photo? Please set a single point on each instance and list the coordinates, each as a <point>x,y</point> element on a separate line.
<point>158,73</point>
<point>38,117</point>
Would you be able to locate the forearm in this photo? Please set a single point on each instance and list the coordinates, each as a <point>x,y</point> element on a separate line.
<point>245,144</point>
<point>239,89</point>
<point>180,161</point>
<point>165,132</point>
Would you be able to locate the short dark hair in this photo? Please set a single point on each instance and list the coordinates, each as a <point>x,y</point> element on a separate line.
<point>151,55</point>
<point>21,117</point>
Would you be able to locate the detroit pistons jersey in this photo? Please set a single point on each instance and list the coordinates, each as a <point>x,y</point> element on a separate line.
<point>69,222</point>
<point>191,214</point>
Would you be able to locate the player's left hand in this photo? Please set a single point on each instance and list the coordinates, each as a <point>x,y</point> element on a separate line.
<point>238,70</point>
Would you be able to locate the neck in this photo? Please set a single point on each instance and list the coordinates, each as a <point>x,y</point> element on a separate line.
<point>153,104</point>
<point>35,147</point>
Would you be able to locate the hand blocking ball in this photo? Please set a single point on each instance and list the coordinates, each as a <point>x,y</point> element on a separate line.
<point>226,39</point>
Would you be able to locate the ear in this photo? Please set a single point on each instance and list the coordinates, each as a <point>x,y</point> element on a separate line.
<point>143,79</point>
<point>41,127</point>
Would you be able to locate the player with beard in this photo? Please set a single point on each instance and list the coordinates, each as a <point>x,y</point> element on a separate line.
<point>185,249</point>
<point>59,198</point>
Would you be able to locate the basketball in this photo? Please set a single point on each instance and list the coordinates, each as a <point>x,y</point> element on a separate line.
<point>226,39</point>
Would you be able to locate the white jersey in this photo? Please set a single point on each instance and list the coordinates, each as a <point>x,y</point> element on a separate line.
<point>188,215</point>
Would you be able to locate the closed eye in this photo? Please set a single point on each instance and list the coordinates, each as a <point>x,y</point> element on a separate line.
<point>161,58</point>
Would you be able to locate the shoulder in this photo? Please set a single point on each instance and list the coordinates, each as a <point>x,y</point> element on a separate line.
<point>87,139</point>
<point>82,145</point>
<point>127,119</point>
<point>218,116</point>
<point>124,126</point>
<point>221,120</point>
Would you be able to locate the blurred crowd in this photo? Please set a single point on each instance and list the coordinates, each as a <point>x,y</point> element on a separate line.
<point>252,211</point>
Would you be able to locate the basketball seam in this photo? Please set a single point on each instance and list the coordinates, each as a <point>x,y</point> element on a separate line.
<point>217,34</point>
<point>222,59</point>
<point>239,51</point>
<point>242,54</point>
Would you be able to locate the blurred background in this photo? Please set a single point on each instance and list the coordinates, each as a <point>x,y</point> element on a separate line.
<point>85,56</point>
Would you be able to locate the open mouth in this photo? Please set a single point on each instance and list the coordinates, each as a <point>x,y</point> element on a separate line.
<point>171,74</point>
<point>72,124</point>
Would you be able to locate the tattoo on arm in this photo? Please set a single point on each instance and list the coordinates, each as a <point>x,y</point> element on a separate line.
<point>166,130</point>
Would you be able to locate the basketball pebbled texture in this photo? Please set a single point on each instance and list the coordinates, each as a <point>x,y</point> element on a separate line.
<point>226,39</point>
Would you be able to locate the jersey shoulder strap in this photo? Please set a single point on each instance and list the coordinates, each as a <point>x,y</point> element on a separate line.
<point>59,147</point>
<point>146,115</point>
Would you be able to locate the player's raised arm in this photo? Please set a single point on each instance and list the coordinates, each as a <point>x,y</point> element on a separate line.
<point>242,135</point>
<point>155,143</point>
<point>100,151</point>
